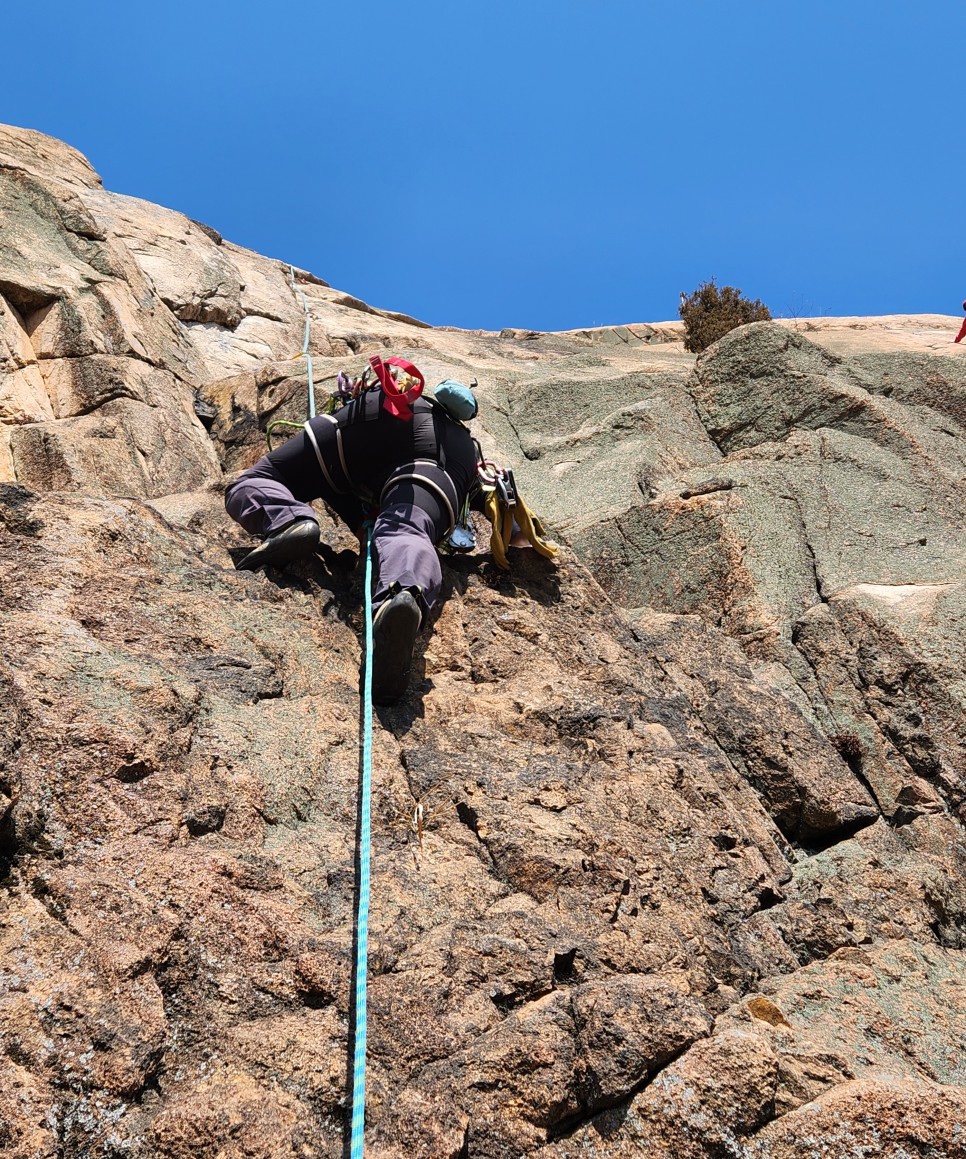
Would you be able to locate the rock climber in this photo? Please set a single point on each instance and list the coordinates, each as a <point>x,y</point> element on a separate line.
<point>390,452</point>
<point>962,330</point>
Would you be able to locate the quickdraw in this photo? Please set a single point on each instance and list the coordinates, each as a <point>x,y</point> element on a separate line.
<point>508,514</point>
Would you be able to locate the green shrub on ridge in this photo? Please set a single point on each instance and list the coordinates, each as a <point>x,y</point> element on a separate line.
<point>709,313</point>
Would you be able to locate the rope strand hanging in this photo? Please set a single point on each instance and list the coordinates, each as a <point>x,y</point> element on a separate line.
<point>362,912</point>
<point>361,965</point>
<point>306,335</point>
<point>303,353</point>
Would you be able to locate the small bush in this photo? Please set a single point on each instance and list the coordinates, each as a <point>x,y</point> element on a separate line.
<point>709,313</point>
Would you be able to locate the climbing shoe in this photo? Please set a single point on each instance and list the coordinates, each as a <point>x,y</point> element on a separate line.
<point>394,629</point>
<point>294,541</point>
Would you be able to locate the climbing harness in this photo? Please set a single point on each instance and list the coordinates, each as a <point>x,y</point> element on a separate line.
<point>402,383</point>
<point>386,393</point>
<point>427,473</point>
<point>362,911</point>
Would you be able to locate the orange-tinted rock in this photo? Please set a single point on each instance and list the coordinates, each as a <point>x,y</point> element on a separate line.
<point>679,874</point>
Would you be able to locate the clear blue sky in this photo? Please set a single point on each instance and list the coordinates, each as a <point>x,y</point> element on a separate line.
<point>535,163</point>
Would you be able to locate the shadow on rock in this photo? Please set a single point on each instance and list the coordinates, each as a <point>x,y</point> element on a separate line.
<point>327,573</point>
<point>529,573</point>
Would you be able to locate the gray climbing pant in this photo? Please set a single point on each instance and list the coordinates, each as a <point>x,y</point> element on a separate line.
<point>410,523</point>
<point>263,506</point>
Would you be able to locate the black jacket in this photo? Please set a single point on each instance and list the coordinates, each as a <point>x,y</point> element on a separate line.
<point>349,459</point>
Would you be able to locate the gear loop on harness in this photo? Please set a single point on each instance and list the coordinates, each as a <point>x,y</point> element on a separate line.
<point>427,473</point>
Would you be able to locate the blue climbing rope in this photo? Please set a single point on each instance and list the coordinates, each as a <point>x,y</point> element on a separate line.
<point>305,338</point>
<point>357,1131</point>
<point>362,914</point>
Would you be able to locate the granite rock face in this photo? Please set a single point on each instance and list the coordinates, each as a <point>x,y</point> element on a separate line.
<point>668,839</point>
